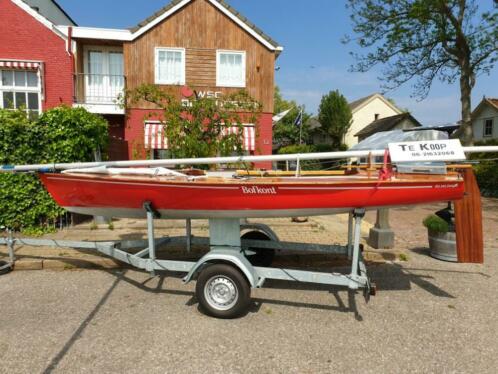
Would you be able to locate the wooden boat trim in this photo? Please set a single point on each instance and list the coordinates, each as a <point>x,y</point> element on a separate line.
<point>221,182</point>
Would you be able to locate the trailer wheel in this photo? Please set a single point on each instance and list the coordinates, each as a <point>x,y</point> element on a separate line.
<point>222,291</point>
<point>5,267</point>
<point>263,256</point>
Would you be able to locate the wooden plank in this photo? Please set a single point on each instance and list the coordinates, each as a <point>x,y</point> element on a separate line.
<point>468,221</point>
<point>281,173</point>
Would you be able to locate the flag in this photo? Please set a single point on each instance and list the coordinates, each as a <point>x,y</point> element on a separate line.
<point>299,119</point>
<point>279,116</point>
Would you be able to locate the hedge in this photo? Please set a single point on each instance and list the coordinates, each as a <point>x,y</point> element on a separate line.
<point>61,134</point>
<point>487,170</point>
<point>302,148</point>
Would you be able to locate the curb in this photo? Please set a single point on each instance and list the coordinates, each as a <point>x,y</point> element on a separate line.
<point>69,264</point>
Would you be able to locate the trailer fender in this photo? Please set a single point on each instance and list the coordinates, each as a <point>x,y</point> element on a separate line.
<point>265,229</point>
<point>234,258</point>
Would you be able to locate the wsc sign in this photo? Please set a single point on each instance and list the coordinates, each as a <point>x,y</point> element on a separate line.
<point>430,150</point>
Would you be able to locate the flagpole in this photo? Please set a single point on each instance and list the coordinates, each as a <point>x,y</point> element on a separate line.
<point>300,123</point>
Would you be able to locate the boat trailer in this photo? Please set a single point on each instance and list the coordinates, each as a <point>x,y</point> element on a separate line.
<point>225,274</point>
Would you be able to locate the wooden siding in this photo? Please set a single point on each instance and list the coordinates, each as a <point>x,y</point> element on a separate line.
<point>202,29</point>
<point>200,67</point>
<point>79,84</point>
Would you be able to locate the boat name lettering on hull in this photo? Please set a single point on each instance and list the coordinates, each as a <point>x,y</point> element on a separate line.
<point>259,190</point>
<point>446,185</point>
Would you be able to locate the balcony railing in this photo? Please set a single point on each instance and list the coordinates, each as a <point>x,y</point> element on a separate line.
<point>98,89</point>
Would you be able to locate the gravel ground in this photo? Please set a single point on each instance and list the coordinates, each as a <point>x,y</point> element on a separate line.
<point>429,316</point>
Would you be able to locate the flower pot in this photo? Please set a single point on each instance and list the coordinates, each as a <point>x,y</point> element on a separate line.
<point>443,245</point>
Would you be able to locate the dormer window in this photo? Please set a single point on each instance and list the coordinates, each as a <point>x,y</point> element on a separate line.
<point>230,69</point>
<point>170,66</point>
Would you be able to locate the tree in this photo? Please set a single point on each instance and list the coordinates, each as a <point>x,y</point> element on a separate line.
<point>334,114</point>
<point>206,127</point>
<point>427,40</point>
<point>285,132</point>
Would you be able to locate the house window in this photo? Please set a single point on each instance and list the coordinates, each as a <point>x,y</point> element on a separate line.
<point>488,127</point>
<point>20,89</point>
<point>170,66</point>
<point>230,69</point>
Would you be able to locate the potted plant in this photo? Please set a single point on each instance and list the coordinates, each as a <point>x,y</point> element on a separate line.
<point>442,236</point>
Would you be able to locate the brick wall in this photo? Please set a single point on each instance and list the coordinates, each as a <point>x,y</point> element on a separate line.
<point>22,37</point>
<point>264,140</point>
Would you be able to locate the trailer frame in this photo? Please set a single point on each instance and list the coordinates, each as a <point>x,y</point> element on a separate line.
<point>226,247</point>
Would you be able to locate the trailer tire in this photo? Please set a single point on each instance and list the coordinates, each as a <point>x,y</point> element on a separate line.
<point>5,267</point>
<point>264,256</point>
<point>223,291</point>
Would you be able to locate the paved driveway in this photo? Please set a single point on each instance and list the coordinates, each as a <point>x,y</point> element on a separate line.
<point>429,316</point>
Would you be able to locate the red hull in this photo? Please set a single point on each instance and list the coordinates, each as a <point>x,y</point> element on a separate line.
<point>265,197</point>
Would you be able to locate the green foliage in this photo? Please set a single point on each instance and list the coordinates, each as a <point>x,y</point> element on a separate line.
<point>436,224</point>
<point>302,148</point>
<point>334,114</point>
<point>58,135</point>
<point>296,148</point>
<point>70,135</point>
<point>324,147</point>
<point>487,170</point>
<point>202,128</point>
<point>285,132</point>
<point>403,257</point>
<point>426,40</point>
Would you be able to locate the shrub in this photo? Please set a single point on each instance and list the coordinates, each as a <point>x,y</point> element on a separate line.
<point>59,135</point>
<point>487,170</point>
<point>302,148</point>
<point>71,135</point>
<point>436,224</point>
<point>328,164</point>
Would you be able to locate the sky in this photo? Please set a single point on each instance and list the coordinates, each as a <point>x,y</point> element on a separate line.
<point>314,60</point>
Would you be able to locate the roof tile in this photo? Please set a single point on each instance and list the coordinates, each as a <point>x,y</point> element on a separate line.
<point>386,124</point>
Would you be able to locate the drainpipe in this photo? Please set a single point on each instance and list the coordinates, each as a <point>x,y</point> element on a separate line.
<point>71,55</point>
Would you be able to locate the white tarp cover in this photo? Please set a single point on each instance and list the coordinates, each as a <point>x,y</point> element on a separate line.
<point>381,140</point>
<point>159,171</point>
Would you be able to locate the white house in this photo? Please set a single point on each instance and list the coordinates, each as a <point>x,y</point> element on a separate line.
<point>485,120</point>
<point>365,111</point>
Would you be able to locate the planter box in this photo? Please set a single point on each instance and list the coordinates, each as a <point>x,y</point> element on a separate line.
<point>443,245</point>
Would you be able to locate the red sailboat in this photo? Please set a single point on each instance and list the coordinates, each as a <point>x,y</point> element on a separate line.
<point>122,193</point>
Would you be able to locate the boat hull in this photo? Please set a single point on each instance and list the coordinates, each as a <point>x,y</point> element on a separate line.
<point>122,197</point>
